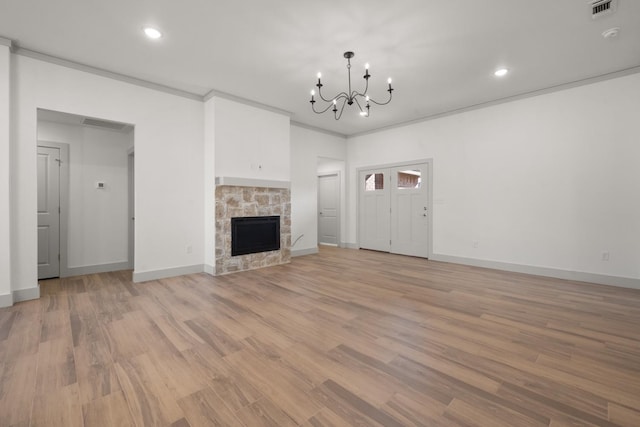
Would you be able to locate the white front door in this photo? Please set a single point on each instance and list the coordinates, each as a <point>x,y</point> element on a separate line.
<point>374,214</point>
<point>48,212</point>
<point>328,202</point>
<point>409,210</point>
<point>393,209</point>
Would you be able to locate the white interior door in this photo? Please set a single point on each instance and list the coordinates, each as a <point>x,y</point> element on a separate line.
<point>328,209</point>
<point>409,210</point>
<point>374,213</point>
<point>48,212</point>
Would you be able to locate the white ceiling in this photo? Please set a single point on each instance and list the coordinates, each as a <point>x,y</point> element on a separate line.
<point>441,54</point>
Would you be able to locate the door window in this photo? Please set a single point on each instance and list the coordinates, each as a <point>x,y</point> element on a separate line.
<point>410,178</point>
<point>374,181</point>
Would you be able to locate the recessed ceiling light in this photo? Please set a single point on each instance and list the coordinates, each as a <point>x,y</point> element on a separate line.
<point>501,72</point>
<point>152,33</point>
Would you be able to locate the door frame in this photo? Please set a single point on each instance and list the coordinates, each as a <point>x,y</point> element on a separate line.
<point>131,210</point>
<point>338,205</point>
<point>359,189</point>
<point>64,201</point>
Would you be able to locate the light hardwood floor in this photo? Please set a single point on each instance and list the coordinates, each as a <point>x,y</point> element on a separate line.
<point>342,338</point>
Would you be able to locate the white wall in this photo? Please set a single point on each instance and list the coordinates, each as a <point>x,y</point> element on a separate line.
<point>549,181</point>
<point>5,138</point>
<point>168,171</point>
<point>98,224</point>
<point>307,146</point>
<point>251,142</point>
<point>327,165</point>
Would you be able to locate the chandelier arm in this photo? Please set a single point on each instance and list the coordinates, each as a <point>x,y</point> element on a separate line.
<point>337,117</point>
<point>366,86</point>
<point>362,94</point>
<point>341,95</point>
<point>358,104</point>
<point>338,96</point>
<point>323,111</point>
<point>322,97</point>
<point>383,103</point>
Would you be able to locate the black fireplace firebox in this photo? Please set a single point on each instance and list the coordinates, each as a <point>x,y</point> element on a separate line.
<point>253,234</point>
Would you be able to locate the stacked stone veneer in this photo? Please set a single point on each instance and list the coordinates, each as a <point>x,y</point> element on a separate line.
<point>236,201</point>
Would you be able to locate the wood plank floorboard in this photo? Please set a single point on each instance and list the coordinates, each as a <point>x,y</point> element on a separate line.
<point>340,338</point>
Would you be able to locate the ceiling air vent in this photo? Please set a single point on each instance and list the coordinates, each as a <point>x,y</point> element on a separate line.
<point>103,124</point>
<point>600,8</point>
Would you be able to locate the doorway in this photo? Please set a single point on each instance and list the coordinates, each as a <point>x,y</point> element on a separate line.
<point>86,228</point>
<point>329,209</point>
<point>394,212</point>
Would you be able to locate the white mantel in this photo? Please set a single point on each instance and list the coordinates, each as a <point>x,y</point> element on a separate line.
<point>251,182</point>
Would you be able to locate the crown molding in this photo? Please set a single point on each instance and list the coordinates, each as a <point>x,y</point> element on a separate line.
<point>7,42</point>
<point>15,48</point>
<point>136,81</point>
<point>213,93</point>
<point>524,95</point>
<point>104,73</point>
<point>317,129</point>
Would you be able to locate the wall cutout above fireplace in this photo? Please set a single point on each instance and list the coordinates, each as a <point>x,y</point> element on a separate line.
<point>254,234</point>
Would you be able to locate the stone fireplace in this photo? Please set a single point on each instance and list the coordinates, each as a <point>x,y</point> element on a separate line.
<point>238,197</point>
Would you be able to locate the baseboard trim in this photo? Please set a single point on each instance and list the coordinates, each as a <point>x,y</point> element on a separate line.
<point>210,269</point>
<point>26,294</point>
<point>302,252</point>
<point>601,279</point>
<point>145,276</point>
<point>6,300</point>
<point>98,268</point>
<point>349,245</point>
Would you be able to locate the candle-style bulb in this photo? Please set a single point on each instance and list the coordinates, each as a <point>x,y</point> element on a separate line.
<point>389,80</point>
<point>313,92</point>
<point>319,76</point>
<point>366,66</point>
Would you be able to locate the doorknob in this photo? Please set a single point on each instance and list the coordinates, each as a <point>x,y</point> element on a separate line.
<point>424,214</point>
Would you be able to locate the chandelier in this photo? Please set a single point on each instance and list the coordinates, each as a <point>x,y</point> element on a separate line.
<point>350,97</point>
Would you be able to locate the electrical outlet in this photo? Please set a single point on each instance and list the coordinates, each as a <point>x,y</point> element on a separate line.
<point>189,249</point>
<point>475,244</point>
<point>605,256</point>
